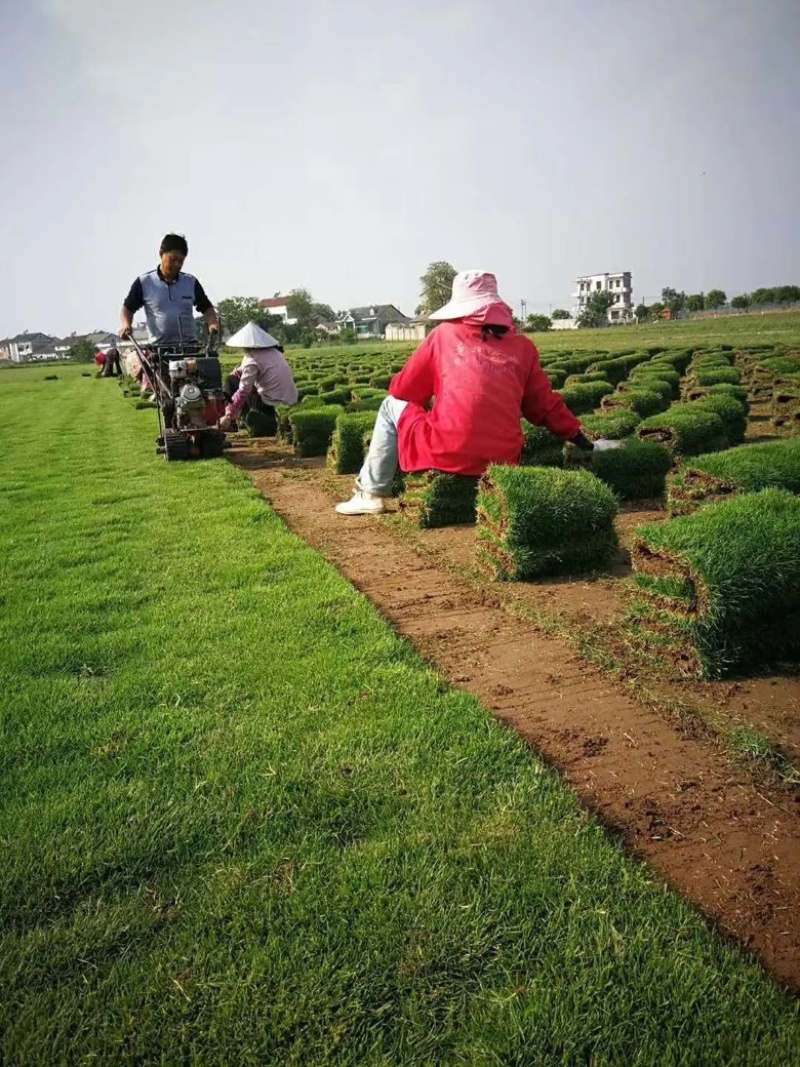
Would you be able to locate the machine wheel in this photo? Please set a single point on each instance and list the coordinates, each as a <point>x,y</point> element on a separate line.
<point>176,445</point>
<point>211,445</point>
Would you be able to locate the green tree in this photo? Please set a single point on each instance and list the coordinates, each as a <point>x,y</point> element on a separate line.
<point>437,285</point>
<point>763,296</point>
<point>673,300</point>
<point>715,298</point>
<point>595,313</point>
<point>236,311</point>
<point>301,306</point>
<point>81,352</point>
<point>656,308</point>
<point>787,294</point>
<point>695,302</point>
<point>642,313</point>
<point>742,301</point>
<point>538,323</point>
<point>561,313</point>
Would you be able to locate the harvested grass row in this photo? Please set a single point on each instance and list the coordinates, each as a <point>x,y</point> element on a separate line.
<point>432,499</point>
<point>748,469</point>
<point>346,453</point>
<point>537,521</point>
<point>720,589</point>
<point>685,430</point>
<point>613,424</point>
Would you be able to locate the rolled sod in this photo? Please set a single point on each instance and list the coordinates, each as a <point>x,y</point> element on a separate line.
<point>649,384</point>
<point>586,377</point>
<point>731,411</point>
<point>312,429</point>
<point>614,425</point>
<point>538,521</point>
<point>581,399</point>
<point>617,369</point>
<point>432,499</point>
<point>747,469</point>
<point>679,358</point>
<point>685,430</point>
<point>346,453</point>
<point>541,448</point>
<point>261,423</point>
<point>339,396</point>
<point>713,375</point>
<point>738,392</point>
<point>662,373</point>
<point>637,471</point>
<point>641,399</point>
<point>720,589</point>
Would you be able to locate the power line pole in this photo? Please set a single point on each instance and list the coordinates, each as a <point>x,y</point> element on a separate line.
<point>523,307</point>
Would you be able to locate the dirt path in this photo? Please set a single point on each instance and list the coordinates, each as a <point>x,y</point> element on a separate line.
<point>675,799</point>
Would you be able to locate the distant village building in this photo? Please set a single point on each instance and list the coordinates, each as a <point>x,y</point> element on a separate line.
<point>619,285</point>
<point>27,347</point>
<point>413,330</point>
<point>278,305</point>
<point>372,321</point>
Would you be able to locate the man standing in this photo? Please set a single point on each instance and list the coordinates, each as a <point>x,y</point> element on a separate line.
<point>169,297</point>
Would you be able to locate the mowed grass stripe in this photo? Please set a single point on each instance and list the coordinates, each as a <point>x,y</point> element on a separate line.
<point>242,823</point>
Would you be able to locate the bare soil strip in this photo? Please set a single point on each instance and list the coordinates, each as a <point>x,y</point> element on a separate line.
<point>705,827</point>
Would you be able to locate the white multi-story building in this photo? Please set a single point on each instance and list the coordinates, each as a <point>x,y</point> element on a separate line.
<point>619,285</point>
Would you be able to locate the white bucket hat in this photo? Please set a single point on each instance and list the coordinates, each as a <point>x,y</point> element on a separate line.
<point>252,336</point>
<point>473,290</point>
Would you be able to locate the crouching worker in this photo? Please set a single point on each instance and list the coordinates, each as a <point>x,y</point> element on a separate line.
<point>456,405</point>
<point>111,364</point>
<point>263,377</point>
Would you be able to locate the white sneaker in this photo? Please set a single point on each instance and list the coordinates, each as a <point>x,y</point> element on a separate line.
<point>362,503</point>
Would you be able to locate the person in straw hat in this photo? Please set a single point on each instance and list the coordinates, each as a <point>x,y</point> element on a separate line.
<point>263,371</point>
<point>456,405</point>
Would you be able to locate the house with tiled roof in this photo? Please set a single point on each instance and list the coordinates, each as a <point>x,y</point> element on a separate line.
<point>372,320</point>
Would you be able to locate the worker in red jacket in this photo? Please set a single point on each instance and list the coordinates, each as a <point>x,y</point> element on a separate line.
<point>457,403</point>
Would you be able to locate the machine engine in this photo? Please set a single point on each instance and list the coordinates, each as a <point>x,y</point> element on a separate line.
<point>195,385</point>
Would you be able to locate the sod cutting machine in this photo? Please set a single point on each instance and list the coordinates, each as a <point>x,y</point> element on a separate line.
<point>187,382</point>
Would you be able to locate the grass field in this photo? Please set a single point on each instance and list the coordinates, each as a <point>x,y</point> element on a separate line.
<point>242,822</point>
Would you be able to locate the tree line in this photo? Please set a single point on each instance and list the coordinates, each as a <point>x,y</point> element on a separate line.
<point>676,301</point>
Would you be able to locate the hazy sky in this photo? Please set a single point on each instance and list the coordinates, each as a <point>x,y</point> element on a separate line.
<point>344,145</point>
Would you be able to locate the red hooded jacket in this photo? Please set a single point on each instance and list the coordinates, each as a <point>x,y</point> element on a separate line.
<point>481,385</point>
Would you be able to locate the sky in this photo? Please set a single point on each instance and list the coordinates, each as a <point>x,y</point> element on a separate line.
<point>342,146</point>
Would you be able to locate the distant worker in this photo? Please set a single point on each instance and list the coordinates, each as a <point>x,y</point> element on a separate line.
<point>111,364</point>
<point>264,378</point>
<point>483,376</point>
<point>169,297</point>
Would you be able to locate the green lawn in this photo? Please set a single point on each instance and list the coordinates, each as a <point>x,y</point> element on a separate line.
<point>242,823</point>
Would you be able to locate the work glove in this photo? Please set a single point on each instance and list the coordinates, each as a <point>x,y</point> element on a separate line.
<point>225,422</point>
<point>602,445</point>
